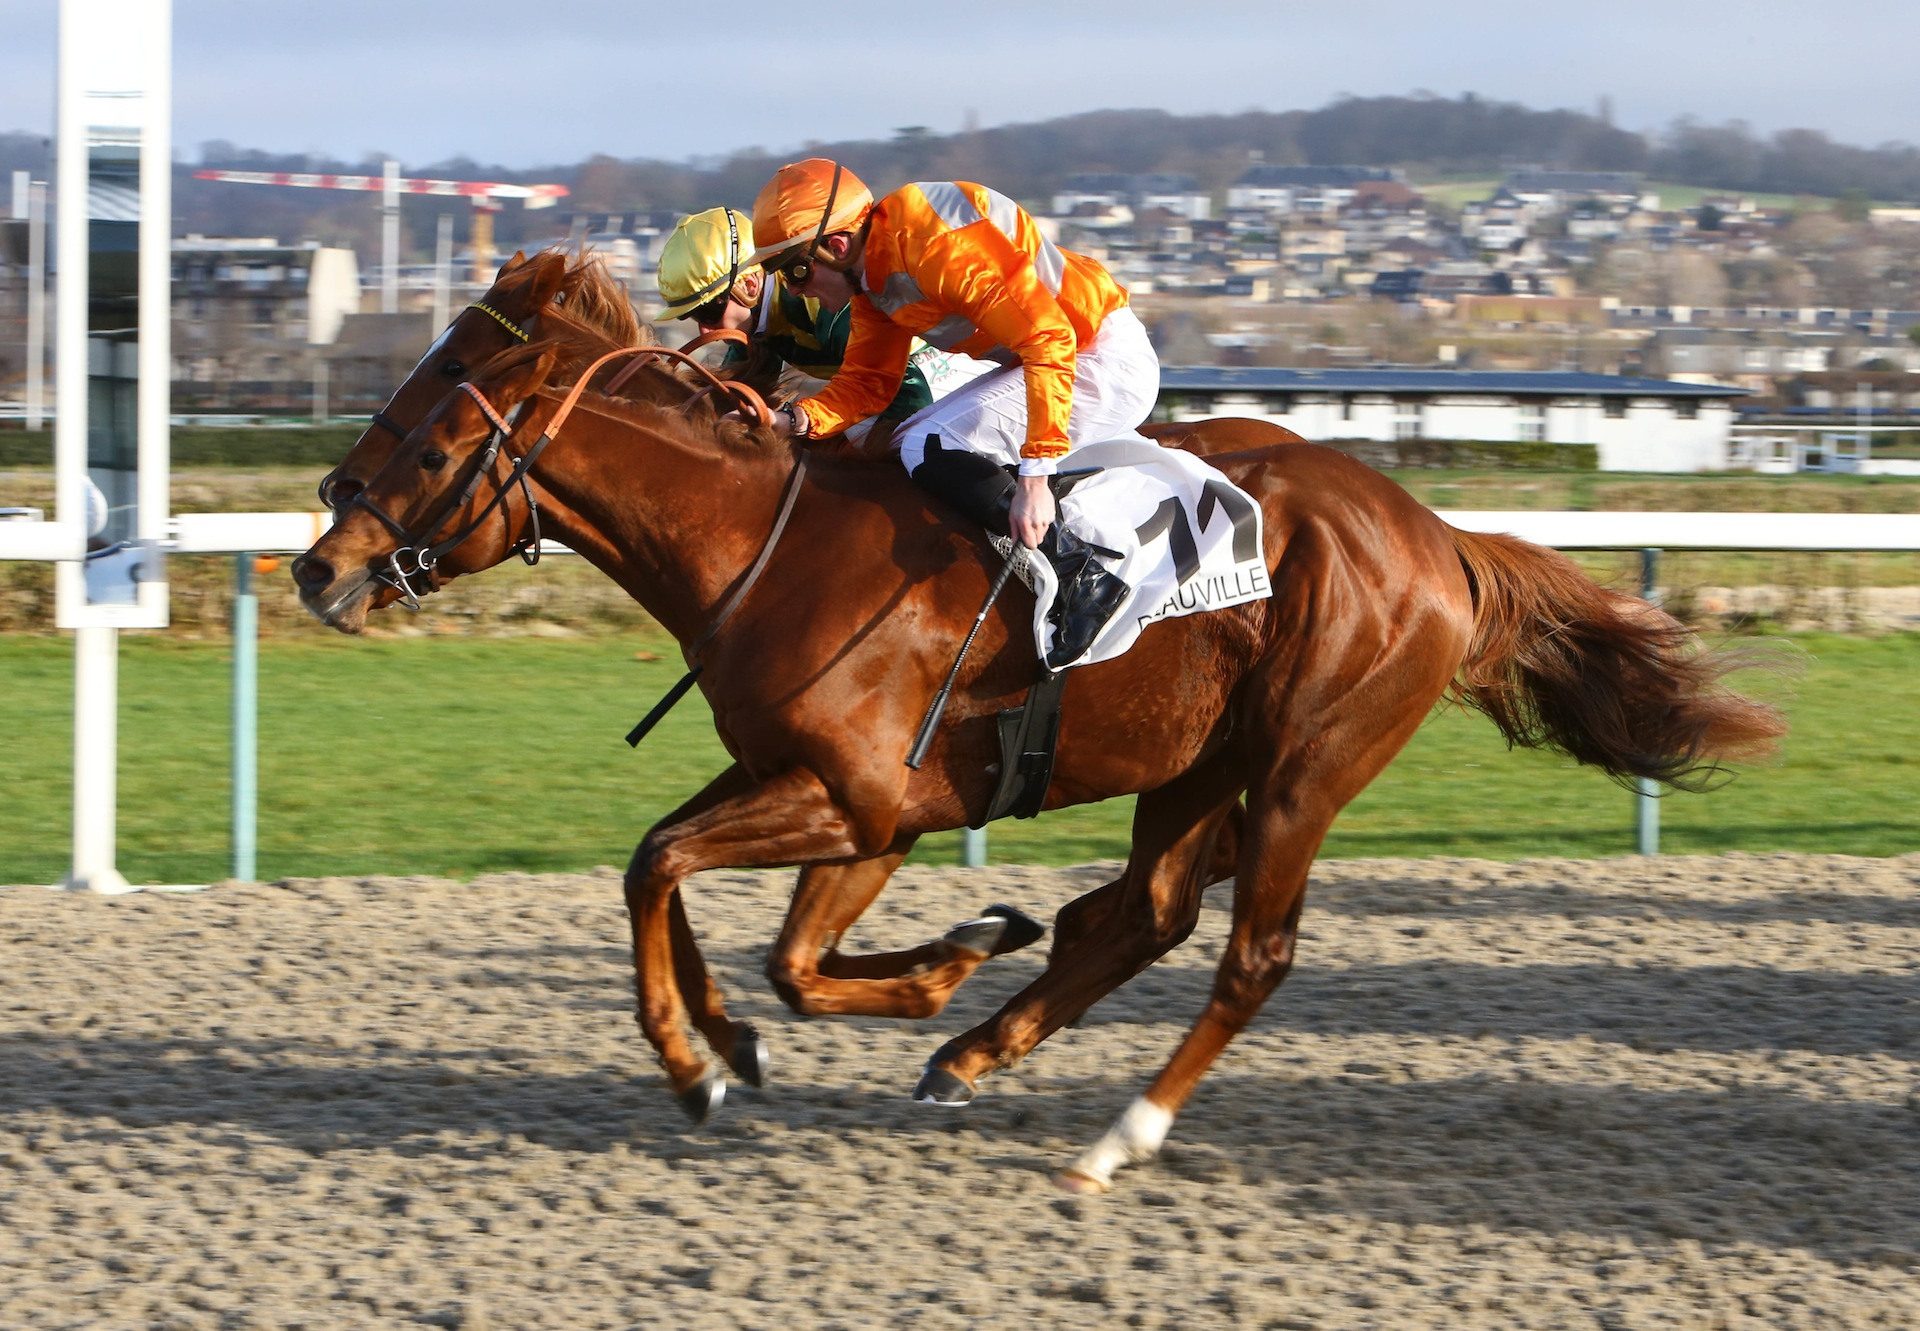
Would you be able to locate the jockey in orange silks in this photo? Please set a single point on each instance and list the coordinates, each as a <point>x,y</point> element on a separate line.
<point>968,270</point>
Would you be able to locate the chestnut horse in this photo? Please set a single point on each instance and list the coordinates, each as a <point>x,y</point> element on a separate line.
<point>572,300</point>
<point>819,679</point>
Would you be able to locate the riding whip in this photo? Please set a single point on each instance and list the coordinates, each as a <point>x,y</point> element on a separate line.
<point>931,722</point>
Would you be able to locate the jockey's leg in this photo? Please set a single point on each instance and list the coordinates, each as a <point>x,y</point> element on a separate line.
<point>1086,594</point>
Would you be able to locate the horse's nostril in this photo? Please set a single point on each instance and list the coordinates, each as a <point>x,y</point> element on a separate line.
<point>312,574</point>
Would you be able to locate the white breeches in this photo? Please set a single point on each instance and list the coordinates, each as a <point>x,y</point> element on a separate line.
<point>1116,378</point>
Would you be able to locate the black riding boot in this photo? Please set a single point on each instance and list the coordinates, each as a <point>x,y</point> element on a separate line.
<point>1088,597</point>
<point>1088,594</point>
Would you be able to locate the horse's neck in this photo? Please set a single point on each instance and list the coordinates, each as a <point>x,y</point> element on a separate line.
<point>676,526</point>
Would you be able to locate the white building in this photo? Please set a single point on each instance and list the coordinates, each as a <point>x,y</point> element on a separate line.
<point>1291,190</point>
<point>1635,424</point>
<point>1102,192</point>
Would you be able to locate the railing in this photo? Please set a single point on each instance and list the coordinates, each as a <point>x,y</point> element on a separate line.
<point>247,535</point>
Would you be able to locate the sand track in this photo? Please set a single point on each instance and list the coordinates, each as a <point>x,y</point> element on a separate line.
<point>1616,1094</point>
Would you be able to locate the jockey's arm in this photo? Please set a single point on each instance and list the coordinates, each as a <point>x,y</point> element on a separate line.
<point>995,287</point>
<point>868,377</point>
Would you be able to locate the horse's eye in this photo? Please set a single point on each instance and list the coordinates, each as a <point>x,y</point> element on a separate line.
<point>433,459</point>
<point>454,369</point>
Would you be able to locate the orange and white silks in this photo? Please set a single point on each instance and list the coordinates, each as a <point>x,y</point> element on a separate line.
<point>966,269</point>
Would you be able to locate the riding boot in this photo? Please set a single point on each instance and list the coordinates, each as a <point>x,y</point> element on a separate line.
<point>1088,596</point>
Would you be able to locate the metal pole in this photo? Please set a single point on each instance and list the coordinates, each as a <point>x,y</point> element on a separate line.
<point>973,846</point>
<point>442,274</point>
<point>1646,819</point>
<point>246,745</point>
<point>390,239</point>
<point>36,303</point>
<point>96,680</point>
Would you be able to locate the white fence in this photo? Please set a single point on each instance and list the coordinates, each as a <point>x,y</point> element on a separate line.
<point>286,533</point>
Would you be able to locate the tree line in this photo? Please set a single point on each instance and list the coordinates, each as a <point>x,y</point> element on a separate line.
<point>1420,133</point>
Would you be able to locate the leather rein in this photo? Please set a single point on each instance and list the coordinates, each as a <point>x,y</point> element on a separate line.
<point>416,556</point>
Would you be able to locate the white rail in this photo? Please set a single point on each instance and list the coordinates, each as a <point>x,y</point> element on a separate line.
<point>287,533</point>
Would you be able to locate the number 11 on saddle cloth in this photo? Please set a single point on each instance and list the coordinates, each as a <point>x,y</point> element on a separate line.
<point>1189,539</point>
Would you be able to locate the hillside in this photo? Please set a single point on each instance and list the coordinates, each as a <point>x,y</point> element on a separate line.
<point>1467,137</point>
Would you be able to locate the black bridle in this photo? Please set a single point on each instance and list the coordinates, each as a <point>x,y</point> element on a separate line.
<point>399,431</point>
<point>415,557</point>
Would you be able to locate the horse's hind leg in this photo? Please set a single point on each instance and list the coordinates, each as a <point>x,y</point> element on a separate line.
<point>1324,752</point>
<point>1105,937</point>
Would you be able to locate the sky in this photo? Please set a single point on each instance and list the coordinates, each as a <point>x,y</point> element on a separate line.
<point>520,84</point>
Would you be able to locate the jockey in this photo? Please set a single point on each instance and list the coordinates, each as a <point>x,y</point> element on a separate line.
<point>706,276</point>
<point>968,270</point>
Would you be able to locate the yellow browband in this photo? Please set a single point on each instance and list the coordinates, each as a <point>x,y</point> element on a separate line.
<point>502,320</point>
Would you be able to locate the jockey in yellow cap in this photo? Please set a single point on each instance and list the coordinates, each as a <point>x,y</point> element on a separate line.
<point>706,276</point>
<point>968,270</point>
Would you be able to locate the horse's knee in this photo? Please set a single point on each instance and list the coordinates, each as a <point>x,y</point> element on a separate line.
<point>789,981</point>
<point>653,864</point>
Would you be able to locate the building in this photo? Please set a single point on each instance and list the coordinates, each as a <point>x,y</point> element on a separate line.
<point>1097,193</point>
<point>248,312</point>
<point>1314,190</point>
<point>1635,424</point>
<point>1555,191</point>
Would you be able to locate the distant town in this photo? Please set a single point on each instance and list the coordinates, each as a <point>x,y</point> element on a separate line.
<point>1624,304</point>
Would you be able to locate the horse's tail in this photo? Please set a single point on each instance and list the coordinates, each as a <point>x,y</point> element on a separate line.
<point>1559,662</point>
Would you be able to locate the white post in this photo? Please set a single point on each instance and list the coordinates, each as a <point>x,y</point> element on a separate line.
<point>36,304</point>
<point>19,208</point>
<point>390,239</point>
<point>114,92</point>
<point>443,274</point>
<point>96,726</point>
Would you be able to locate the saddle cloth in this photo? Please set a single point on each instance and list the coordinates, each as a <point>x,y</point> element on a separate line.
<point>1189,539</point>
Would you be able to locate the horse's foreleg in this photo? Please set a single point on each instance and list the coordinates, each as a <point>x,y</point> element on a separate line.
<point>1104,938</point>
<point>813,977</point>
<point>735,1041</point>
<point>787,819</point>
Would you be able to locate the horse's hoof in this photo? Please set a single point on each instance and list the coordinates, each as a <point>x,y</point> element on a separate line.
<point>940,1087</point>
<point>981,937</point>
<point>1022,929</point>
<point>1085,1185</point>
<point>748,1057</point>
<point>703,1097</point>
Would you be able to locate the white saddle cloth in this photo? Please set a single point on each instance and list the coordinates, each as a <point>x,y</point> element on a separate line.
<point>1189,539</point>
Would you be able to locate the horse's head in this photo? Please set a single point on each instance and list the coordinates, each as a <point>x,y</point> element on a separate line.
<point>508,316</point>
<point>439,505</point>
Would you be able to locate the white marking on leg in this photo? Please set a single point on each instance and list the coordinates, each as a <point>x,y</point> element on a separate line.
<point>1134,1138</point>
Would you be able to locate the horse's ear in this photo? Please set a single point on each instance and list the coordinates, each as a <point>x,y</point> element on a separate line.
<point>519,257</point>
<point>549,270</point>
<point>517,374</point>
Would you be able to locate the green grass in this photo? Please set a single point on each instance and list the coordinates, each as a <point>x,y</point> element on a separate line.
<point>457,756</point>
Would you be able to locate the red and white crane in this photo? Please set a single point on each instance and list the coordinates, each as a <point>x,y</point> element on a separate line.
<point>485,195</point>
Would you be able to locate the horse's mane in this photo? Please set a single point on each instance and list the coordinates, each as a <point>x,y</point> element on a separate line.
<point>590,315</point>
<point>698,431</point>
<point>590,305</point>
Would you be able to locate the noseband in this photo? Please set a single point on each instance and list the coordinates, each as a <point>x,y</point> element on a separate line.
<point>414,558</point>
